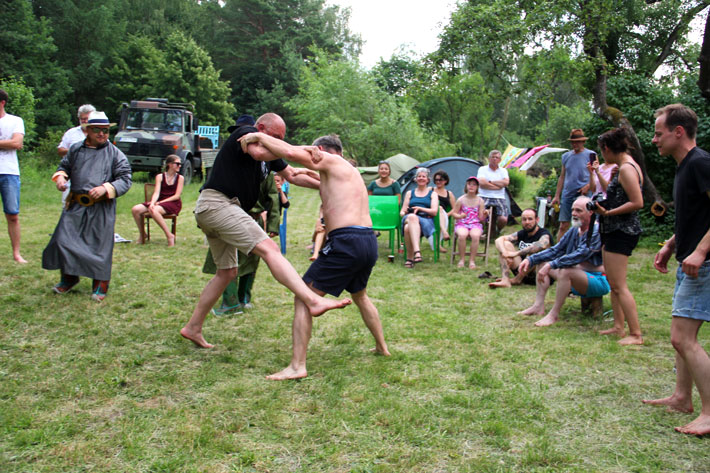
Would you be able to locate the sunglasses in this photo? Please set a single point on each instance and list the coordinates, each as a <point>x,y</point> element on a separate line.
<point>439,179</point>
<point>98,130</point>
<point>178,164</point>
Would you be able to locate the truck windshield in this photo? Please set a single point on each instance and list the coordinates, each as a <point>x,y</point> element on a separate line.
<point>156,120</point>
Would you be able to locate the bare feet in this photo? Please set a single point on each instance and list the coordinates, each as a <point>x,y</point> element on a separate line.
<point>461,264</point>
<point>533,310</point>
<point>631,340</point>
<point>18,257</point>
<point>140,241</point>
<point>288,373</point>
<point>672,404</point>
<point>171,240</point>
<point>500,282</point>
<point>471,265</point>
<point>195,337</point>
<point>380,351</point>
<point>323,305</point>
<point>613,331</point>
<point>700,426</point>
<point>546,321</point>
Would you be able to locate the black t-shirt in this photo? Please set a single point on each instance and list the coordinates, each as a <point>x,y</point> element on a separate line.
<point>525,240</point>
<point>236,174</point>
<point>692,204</point>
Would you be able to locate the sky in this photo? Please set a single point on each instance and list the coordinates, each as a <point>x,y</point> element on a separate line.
<point>384,25</point>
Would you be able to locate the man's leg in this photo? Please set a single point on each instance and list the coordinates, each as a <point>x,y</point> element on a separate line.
<point>503,245</point>
<point>541,287</point>
<point>566,279</point>
<point>371,317</point>
<point>684,337</point>
<point>13,228</point>
<point>287,276</point>
<point>193,329</point>
<point>301,335</point>
<point>564,226</point>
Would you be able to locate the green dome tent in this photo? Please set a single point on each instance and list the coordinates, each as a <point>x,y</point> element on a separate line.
<point>399,163</point>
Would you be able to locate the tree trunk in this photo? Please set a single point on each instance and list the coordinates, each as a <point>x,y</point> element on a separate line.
<point>704,60</point>
<point>616,117</point>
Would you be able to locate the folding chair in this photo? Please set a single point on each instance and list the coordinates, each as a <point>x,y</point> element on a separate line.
<point>148,190</point>
<point>485,239</point>
<point>384,212</point>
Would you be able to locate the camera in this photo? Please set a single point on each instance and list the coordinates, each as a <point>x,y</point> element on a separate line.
<point>596,199</point>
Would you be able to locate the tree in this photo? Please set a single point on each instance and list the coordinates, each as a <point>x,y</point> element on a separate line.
<point>337,96</point>
<point>22,104</point>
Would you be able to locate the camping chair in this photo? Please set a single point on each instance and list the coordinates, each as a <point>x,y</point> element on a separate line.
<point>436,236</point>
<point>211,132</point>
<point>384,212</point>
<point>148,190</point>
<point>482,245</point>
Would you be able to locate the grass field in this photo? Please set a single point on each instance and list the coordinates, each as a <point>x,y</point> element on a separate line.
<point>471,386</point>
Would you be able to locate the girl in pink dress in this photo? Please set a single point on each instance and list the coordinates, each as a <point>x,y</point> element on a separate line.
<point>469,211</point>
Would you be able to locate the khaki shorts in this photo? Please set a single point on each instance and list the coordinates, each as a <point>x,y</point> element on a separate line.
<point>227,227</point>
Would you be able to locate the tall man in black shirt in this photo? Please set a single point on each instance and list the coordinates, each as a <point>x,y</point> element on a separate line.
<point>232,187</point>
<point>675,136</point>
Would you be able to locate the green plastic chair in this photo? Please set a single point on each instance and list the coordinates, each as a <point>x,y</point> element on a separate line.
<point>384,212</point>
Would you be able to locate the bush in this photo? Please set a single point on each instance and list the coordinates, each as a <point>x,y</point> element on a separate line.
<point>44,154</point>
<point>517,182</point>
<point>548,186</point>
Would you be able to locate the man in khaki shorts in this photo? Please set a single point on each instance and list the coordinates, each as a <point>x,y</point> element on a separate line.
<point>233,186</point>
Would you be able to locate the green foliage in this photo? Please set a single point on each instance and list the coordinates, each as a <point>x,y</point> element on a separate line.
<point>548,186</point>
<point>28,53</point>
<point>44,155</point>
<point>517,182</point>
<point>337,96</point>
<point>22,103</point>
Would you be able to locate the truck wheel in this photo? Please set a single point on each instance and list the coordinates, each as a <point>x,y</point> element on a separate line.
<point>187,171</point>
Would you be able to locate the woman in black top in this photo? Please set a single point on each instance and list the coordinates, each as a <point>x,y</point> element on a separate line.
<point>620,230</point>
<point>447,199</point>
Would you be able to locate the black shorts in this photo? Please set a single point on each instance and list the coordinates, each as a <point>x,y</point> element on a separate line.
<point>619,242</point>
<point>345,261</point>
<point>529,279</point>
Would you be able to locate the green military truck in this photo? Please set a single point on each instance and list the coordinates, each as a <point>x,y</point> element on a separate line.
<point>151,129</point>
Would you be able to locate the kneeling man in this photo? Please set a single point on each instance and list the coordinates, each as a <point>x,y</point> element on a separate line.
<point>531,239</point>
<point>575,262</point>
<point>350,251</point>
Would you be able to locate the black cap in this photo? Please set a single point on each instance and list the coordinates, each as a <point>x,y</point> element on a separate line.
<point>242,120</point>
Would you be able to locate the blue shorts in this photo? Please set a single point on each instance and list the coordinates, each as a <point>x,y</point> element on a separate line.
<point>426,224</point>
<point>597,285</point>
<point>566,208</point>
<point>10,193</point>
<point>691,298</point>
<point>345,261</point>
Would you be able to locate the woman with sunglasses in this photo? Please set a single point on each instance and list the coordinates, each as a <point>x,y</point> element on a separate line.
<point>447,199</point>
<point>385,185</point>
<point>165,199</point>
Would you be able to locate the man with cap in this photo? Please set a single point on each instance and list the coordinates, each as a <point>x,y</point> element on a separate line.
<point>574,178</point>
<point>82,242</point>
<point>12,135</point>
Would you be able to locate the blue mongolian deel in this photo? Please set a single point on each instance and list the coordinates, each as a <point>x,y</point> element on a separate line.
<point>459,169</point>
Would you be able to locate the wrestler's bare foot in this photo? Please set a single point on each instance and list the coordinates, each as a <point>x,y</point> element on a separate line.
<point>195,337</point>
<point>631,340</point>
<point>546,321</point>
<point>380,351</point>
<point>20,259</point>
<point>613,331</point>
<point>140,241</point>
<point>499,283</point>
<point>323,305</point>
<point>533,310</point>
<point>672,403</point>
<point>171,240</point>
<point>288,373</point>
<point>700,426</point>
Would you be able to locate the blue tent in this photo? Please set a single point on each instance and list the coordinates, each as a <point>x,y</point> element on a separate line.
<point>459,169</point>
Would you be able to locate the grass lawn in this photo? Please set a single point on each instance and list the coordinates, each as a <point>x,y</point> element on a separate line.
<point>471,386</point>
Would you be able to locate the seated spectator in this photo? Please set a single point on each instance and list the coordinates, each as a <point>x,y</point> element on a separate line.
<point>318,237</point>
<point>469,210</point>
<point>165,199</point>
<point>531,239</point>
<point>418,211</point>
<point>575,263</point>
<point>384,185</point>
<point>446,202</point>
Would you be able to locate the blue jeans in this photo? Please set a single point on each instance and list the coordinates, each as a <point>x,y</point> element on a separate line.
<point>10,192</point>
<point>691,298</point>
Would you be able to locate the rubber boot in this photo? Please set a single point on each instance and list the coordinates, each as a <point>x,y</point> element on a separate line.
<point>230,296</point>
<point>245,284</point>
